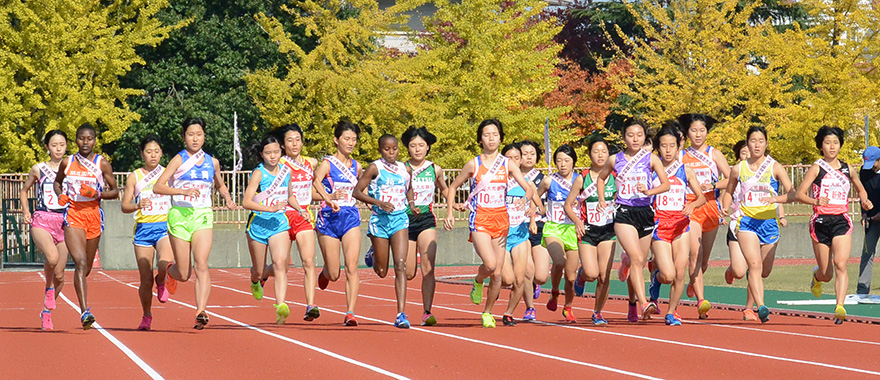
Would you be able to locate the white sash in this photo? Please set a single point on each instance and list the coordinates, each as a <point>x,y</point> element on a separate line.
<point>703,158</point>
<point>833,172</point>
<point>751,182</point>
<point>532,174</point>
<point>296,164</point>
<point>150,177</point>
<point>589,190</point>
<point>345,171</point>
<point>282,174</point>
<point>673,168</point>
<point>483,184</point>
<point>188,164</point>
<point>425,166</point>
<point>46,171</point>
<point>561,181</point>
<point>91,167</point>
<point>632,162</point>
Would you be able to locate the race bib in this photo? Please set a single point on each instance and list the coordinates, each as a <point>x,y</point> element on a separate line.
<point>303,192</point>
<point>492,195</point>
<point>758,191</point>
<point>396,195</point>
<point>50,200</point>
<point>627,185</point>
<point>836,192</point>
<point>201,201</point>
<point>344,192</point>
<point>423,191</point>
<point>596,218</point>
<point>704,175</point>
<point>159,204</point>
<point>672,200</point>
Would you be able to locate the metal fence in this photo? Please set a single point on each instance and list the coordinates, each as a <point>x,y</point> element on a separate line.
<point>16,243</point>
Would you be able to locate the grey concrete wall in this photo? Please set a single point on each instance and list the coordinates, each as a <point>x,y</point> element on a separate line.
<point>230,247</point>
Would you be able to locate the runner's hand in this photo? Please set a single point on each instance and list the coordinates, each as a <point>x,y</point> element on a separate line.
<point>87,191</point>
<point>783,222</point>
<point>449,222</point>
<point>688,209</point>
<point>578,227</point>
<point>144,203</point>
<point>460,207</point>
<point>333,206</point>
<point>601,206</point>
<point>386,206</point>
<point>63,200</point>
<point>192,193</point>
<point>640,187</point>
<point>707,186</point>
<point>822,201</point>
<point>26,217</point>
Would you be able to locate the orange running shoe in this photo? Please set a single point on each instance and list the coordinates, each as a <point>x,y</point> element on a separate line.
<point>749,315</point>
<point>170,283</point>
<point>569,315</point>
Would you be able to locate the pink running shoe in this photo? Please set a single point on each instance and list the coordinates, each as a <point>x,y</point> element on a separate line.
<point>623,270</point>
<point>632,315</point>
<point>145,323</point>
<point>49,302</point>
<point>46,320</point>
<point>161,292</point>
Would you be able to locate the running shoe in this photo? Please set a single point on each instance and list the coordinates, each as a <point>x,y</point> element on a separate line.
<point>282,311</point>
<point>368,257</point>
<point>323,280</point>
<point>49,302</point>
<point>553,303</point>
<point>201,321</point>
<point>568,314</point>
<point>839,315</point>
<point>161,291</point>
<point>507,320</point>
<point>598,320</point>
<point>46,320</point>
<point>170,283</point>
<point>530,315</point>
<point>350,320</point>
<point>815,285</point>
<point>312,313</point>
<point>690,291</point>
<point>428,319</point>
<point>676,315</point>
<point>654,287</point>
<point>257,290</point>
<point>749,315</point>
<point>623,270</point>
<point>488,320</point>
<point>763,314</point>
<point>703,308</point>
<point>647,310</point>
<point>537,290</point>
<point>145,323</point>
<point>728,276</point>
<point>87,319</point>
<point>632,314</point>
<point>477,292</point>
<point>656,307</point>
<point>579,283</point>
<point>672,321</point>
<point>401,321</point>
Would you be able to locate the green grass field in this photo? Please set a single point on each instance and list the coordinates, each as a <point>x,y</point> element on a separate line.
<point>794,278</point>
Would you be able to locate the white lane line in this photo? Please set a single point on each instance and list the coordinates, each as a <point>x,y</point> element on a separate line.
<point>691,345</point>
<point>122,347</point>
<point>284,338</point>
<point>458,337</point>
<point>503,300</point>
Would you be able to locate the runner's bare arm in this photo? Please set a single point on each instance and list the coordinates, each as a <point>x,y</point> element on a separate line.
<point>250,192</point>
<point>521,180</point>
<point>658,168</point>
<point>128,206</point>
<point>32,177</point>
<point>695,188</point>
<point>161,187</point>
<point>112,189</point>
<point>568,206</point>
<point>727,196</point>
<point>802,193</point>
<point>466,172</point>
<point>601,179</point>
<point>59,178</point>
<point>723,169</point>
<point>220,185</point>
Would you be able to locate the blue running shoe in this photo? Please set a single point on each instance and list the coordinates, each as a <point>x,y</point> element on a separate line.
<point>87,319</point>
<point>671,320</point>
<point>598,320</point>
<point>530,315</point>
<point>654,288</point>
<point>368,258</point>
<point>401,321</point>
<point>579,283</point>
<point>763,314</point>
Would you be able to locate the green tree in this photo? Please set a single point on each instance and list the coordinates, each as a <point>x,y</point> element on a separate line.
<point>476,60</point>
<point>60,64</point>
<point>199,72</point>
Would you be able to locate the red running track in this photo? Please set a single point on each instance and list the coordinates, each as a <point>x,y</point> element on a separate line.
<point>242,340</point>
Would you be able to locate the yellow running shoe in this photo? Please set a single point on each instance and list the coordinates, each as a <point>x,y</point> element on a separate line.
<point>282,311</point>
<point>839,315</point>
<point>257,290</point>
<point>488,320</point>
<point>703,309</point>
<point>477,293</point>
<point>815,286</point>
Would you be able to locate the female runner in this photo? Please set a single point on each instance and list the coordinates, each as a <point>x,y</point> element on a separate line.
<point>560,237</point>
<point>757,230</point>
<point>47,221</point>
<point>596,246</point>
<point>671,219</point>
<point>426,177</point>
<point>538,270</point>
<point>736,257</point>
<point>712,170</point>
<point>339,220</point>
<point>151,228</point>
<point>488,221</point>
<point>389,193</point>
<point>301,192</point>
<point>266,196</point>
<point>519,210</point>
<point>634,218</point>
<point>82,181</point>
<point>828,182</point>
<point>190,179</point>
